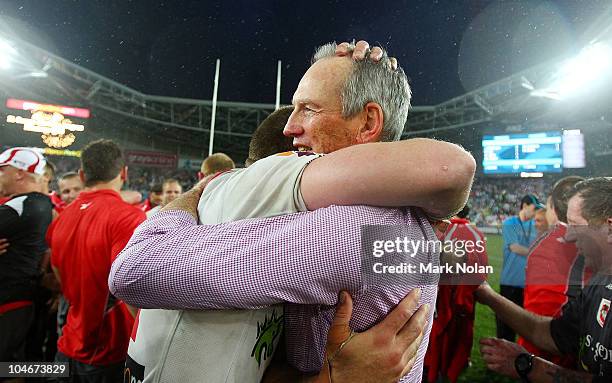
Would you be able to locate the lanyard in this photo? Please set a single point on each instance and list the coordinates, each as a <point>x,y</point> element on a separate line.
<point>526,234</point>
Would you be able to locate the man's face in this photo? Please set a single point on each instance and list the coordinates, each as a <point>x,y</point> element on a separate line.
<point>541,223</point>
<point>316,122</point>
<point>171,191</point>
<point>70,189</point>
<point>529,211</point>
<point>8,177</point>
<point>590,240</point>
<point>156,198</point>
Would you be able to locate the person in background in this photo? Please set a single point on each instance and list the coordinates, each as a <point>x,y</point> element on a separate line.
<point>583,328</point>
<point>555,272</point>
<point>23,223</point>
<point>70,185</point>
<point>518,233</point>
<point>540,222</point>
<point>45,188</point>
<point>153,199</point>
<point>268,138</point>
<point>450,340</point>
<point>217,162</point>
<point>84,240</point>
<point>171,189</point>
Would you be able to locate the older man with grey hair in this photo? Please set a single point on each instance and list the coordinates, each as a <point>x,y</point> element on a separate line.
<point>339,104</point>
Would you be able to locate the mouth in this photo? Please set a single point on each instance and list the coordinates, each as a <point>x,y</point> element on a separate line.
<point>302,148</point>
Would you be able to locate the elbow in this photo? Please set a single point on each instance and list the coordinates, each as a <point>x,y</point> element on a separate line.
<point>457,175</point>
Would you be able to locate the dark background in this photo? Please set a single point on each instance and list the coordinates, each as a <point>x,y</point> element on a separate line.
<point>169,47</point>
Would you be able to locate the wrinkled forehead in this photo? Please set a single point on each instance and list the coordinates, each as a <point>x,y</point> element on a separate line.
<point>324,78</point>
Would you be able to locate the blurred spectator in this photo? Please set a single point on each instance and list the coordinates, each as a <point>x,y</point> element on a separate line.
<point>171,189</point>
<point>23,222</point>
<point>153,199</point>
<point>519,233</point>
<point>540,222</point>
<point>70,185</point>
<point>85,239</point>
<point>555,271</point>
<point>218,162</point>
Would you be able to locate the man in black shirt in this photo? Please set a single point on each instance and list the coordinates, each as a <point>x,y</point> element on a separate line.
<point>23,223</point>
<point>583,328</point>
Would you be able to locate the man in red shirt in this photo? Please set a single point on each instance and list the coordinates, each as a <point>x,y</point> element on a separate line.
<point>554,271</point>
<point>450,340</point>
<point>85,239</point>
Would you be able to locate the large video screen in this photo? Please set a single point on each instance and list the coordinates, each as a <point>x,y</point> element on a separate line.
<point>523,153</point>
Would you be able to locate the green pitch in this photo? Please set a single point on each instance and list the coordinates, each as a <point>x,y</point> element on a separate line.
<point>485,321</point>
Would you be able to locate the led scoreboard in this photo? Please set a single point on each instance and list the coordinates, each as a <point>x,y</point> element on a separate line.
<point>523,153</point>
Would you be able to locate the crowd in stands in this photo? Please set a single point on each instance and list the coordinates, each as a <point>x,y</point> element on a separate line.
<point>492,200</point>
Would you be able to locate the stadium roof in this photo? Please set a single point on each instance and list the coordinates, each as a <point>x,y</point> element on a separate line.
<point>182,125</point>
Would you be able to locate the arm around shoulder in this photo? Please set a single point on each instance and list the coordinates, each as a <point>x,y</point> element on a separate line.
<point>433,175</point>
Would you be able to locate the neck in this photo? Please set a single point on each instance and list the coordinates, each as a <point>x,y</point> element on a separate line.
<point>27,187</point>
<point>522,216</point>
<point>115,185</point>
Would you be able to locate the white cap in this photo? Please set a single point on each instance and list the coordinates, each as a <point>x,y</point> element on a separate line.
<point>28,159</point>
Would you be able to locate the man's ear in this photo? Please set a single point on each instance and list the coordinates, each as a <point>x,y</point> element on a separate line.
<point>124,174</point>
<point>609,222</point>
<point>82,176</point>
<point>371,131</point>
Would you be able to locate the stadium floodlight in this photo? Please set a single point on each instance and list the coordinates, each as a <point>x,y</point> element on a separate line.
<point>579,72</point>
<point>6,54</point>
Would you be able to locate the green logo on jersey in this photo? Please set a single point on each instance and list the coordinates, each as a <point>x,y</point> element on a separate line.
<point>266,335</point>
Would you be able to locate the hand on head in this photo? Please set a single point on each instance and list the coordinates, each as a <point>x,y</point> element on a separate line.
<point>361,50</point>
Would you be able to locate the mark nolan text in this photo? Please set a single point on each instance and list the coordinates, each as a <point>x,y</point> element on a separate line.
<point>424,268</point>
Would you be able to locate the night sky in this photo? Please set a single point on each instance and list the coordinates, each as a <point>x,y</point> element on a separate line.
<point>169,47</point>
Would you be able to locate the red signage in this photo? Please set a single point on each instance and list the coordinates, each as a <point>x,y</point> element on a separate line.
<point>151,159</point>
<point>12,103</point>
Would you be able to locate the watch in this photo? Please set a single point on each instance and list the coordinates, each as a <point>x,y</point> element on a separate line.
<point>523,365</point>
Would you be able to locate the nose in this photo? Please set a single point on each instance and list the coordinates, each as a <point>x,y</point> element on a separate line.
<point>293,128</point>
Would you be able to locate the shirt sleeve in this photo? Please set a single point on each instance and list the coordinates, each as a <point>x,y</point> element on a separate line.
<point>173,263</point>
<point>9,221</point>
<point>510,234</point>
<point>565,329</point>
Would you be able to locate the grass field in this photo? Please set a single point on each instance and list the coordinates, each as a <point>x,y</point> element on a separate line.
<point>485,321</point>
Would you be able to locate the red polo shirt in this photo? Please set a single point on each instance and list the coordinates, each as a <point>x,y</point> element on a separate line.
<point>553,266</point>
<point>84,241</point>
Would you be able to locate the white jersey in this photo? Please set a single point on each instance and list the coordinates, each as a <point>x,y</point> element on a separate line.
<point>222,345</point>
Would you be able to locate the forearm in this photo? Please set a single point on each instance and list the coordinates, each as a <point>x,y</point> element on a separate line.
<point>433,175</point>
<point>173,263</point>
<point>519,249</point>
<point>535,328</point>
<point>546,372</point>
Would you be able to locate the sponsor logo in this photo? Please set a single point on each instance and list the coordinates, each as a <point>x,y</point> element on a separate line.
<point>602,311</point>
<point>85,205</point>
<point>267,333</point>
<point>133,372</point>
<point>609,287</point>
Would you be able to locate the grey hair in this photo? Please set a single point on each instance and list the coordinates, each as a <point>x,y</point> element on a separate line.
<point>374,82</point>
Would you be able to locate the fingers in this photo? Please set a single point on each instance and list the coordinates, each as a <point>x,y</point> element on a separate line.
<point>340,330</point>
<point>376,54</point>
<point>361,49</point>
<point>415,326</point>
<point>411,353</point>
<point>3,245</point>
<point>343,49</point>
<point>488,341</point>
<point>393,63</point>
<point>401,314</point>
